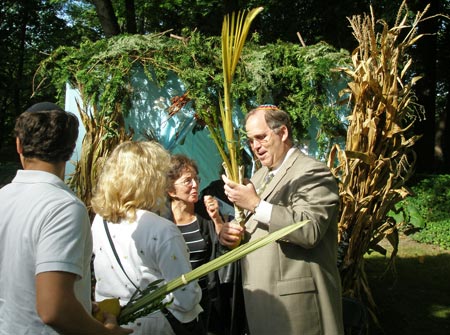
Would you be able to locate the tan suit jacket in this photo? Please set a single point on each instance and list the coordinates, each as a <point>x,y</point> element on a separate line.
<point>293,286</point>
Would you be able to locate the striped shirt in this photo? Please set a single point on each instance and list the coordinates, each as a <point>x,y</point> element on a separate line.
<point>196,245</point>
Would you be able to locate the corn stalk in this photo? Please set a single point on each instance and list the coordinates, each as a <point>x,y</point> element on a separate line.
<point>104,131</point>
<point>378,158</point>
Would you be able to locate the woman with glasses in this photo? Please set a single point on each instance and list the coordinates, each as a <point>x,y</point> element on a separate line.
<point>199,233</point>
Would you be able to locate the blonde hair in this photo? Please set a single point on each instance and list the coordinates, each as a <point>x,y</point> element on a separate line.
<point>133,177</point>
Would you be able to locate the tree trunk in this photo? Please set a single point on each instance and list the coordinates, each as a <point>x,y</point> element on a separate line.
<point>130,16</point>
<point>107,17</point>
<point>426,91</point>
<point>444,140</point>
<point>18,82</point>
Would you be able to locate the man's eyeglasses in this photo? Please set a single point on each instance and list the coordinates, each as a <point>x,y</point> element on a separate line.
<point>189,181</point>
<point>261,138</point>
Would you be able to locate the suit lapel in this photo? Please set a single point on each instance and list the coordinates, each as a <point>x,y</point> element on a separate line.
<point>275,184</point>
<point>280,177</point>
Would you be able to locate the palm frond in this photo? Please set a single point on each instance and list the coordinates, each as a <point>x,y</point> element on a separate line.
<point>152,297</point>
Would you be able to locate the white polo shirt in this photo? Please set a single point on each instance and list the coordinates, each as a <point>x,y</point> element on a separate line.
<point>43,227</point>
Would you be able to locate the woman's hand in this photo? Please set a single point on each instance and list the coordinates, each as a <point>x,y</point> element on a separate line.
<point>231,234</point>
<point>212,207</point>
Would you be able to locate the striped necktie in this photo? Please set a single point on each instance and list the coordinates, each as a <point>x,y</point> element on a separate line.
<point>265,182</point>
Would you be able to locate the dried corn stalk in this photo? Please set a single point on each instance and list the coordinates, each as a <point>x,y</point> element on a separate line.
<point>103,133</point>
<point>378,158</point>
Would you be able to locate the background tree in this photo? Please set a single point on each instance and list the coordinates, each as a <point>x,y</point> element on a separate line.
<point>442,93</point>
<point>29,31</point>
<point>107,17</point>
<point>31,28</point>
<point>425,55</point>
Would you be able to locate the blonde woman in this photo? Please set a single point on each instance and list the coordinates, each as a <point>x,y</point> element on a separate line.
<point>129,196</point>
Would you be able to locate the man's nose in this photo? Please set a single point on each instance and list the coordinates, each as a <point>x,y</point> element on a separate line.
<point>255,144</point>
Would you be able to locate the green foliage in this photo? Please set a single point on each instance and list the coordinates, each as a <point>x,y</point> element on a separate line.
<point>428,210</point>
<point>295,78</point>
<point>101,70</point>
<point>80,17</point>
<point>432,197</point>
<point>436,232</point>
<point>29,31</point>
<point>302,77</point>
<point>406,212</point>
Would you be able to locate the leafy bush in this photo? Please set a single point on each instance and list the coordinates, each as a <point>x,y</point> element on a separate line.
<point>437,232</point>
<point>427,210</point>
<point>432,197</point>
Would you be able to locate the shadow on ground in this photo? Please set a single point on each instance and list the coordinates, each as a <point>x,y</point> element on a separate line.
<point>416,299</point>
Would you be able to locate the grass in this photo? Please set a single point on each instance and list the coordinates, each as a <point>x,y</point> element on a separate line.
<point>416,298</point>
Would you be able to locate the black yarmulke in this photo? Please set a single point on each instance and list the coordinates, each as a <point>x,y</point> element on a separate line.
<point>44,106</point>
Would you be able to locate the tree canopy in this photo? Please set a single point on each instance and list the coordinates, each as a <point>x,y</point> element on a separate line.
<point>30,30</point>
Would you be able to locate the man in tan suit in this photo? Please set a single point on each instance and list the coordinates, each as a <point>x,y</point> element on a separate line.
<point>292,286</point>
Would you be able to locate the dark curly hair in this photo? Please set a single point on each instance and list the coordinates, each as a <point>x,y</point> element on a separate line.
<point>178,164</point>
<point>48,135</point>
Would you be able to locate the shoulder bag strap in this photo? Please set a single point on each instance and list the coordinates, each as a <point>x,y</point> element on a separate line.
<point>117,256</point>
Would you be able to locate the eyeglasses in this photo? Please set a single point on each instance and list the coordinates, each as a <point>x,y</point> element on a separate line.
<point>261,138</point>
<point>188,181</point>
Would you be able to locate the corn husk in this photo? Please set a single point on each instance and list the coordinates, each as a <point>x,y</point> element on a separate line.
<point>378,158</point>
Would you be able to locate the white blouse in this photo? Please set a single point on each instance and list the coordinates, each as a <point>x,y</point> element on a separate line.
<point>149,249</point>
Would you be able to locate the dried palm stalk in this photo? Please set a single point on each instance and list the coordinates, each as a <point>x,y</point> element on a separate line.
<point>378,158</point>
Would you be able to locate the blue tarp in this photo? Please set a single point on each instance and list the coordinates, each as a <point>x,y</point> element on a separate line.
<point>148,117</point>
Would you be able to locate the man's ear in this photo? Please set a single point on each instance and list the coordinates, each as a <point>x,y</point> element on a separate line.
<point>284,135</point>
<point>19,146</point>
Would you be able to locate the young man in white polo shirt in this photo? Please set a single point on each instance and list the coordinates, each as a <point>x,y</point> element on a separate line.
<point>45,237</point>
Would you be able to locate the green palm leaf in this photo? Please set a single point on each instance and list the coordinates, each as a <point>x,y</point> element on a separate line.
<point>152,297</point>
<point>235,29</point>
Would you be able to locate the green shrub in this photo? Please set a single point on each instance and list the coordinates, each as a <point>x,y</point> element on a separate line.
<point>432,197</point>
<point>437,232</point>
<point>427,210</point>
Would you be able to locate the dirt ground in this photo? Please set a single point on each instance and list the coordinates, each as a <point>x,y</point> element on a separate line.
<point>407,246</point>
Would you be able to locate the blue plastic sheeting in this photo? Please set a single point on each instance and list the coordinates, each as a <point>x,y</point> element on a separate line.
<point>149,112</point>
<point>72,96</point>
